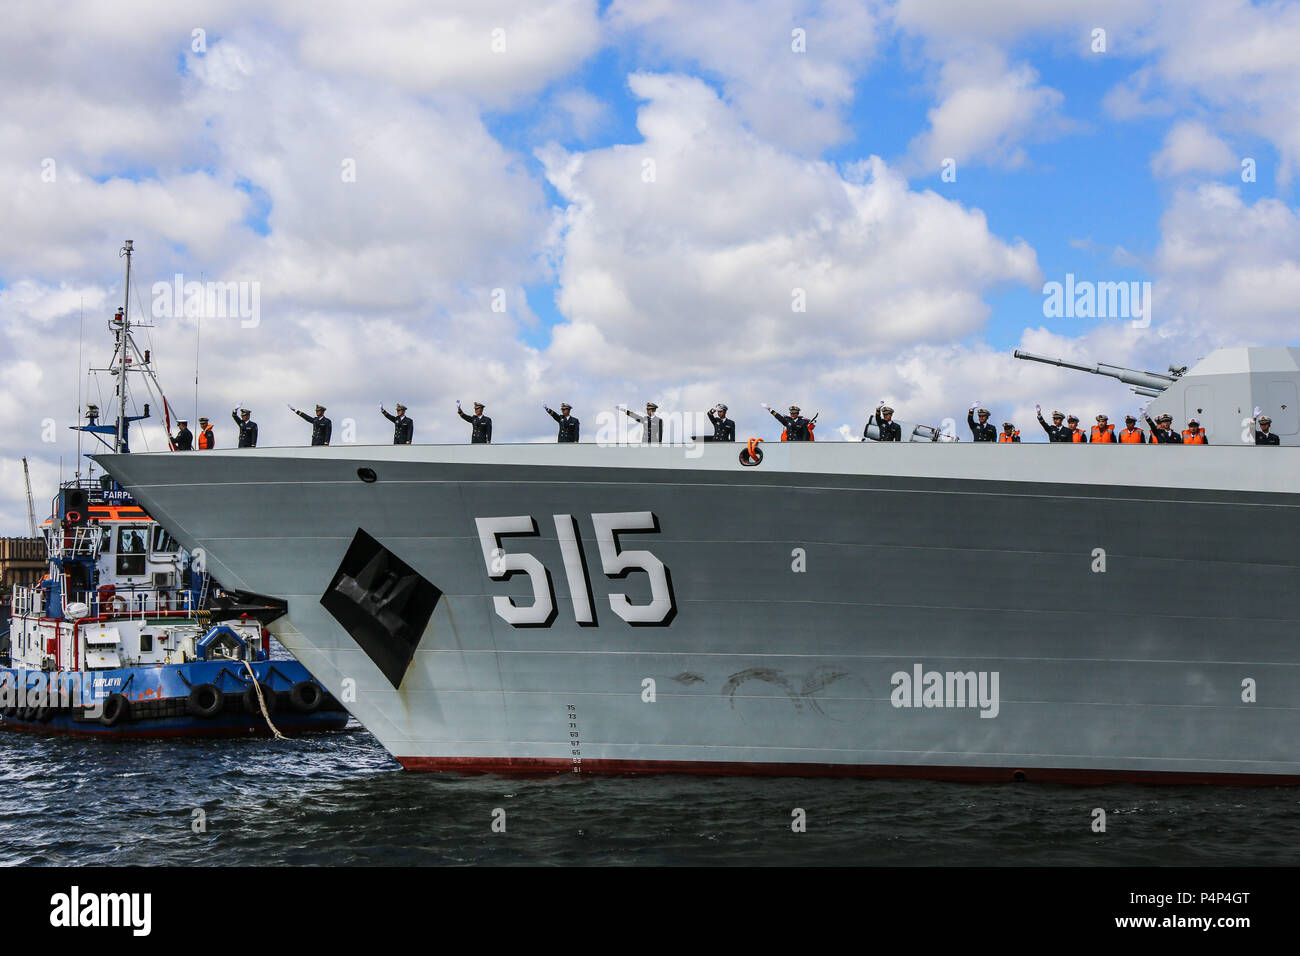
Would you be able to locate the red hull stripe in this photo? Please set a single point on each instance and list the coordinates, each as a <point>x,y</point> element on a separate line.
<point>529,766</point>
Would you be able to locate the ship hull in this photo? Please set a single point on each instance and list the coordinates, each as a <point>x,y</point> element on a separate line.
<point>952,612</point>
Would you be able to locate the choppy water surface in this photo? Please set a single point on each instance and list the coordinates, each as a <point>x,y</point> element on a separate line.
<point>339,799</point>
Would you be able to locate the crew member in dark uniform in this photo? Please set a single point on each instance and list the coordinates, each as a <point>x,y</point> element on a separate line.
<point>247,427</point>
<point>1262,434</point>
<point>184,438</point>
<point>568,424</point>
<point>652,427</point>
<point>481,433</point>
<point>321,427</point>
<point>883,419</point>
<point>983,431</point>
<point>796,426</point>
<point>1161,432</point>
<point>403,427</point>
<point>724,429</point>
<point>1054,430</point>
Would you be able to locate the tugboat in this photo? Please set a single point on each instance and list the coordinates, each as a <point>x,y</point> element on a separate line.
<point>127,635</point>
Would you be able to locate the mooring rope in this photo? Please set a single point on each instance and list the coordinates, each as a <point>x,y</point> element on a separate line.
<point>261,701</point>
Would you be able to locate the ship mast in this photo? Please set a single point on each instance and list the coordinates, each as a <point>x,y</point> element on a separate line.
<point>125,338</point>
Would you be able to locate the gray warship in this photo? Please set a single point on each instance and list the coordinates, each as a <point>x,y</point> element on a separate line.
<point>926,609</point>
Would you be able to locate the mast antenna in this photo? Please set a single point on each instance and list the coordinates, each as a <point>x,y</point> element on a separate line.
<point>125,334</point>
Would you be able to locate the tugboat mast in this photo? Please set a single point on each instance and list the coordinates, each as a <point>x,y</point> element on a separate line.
<point>124,339</point>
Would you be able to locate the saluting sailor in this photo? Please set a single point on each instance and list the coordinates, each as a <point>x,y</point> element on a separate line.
<point>321,427</point>
<point>1056,430</point>
<point>481,431</point>
<point>247,427</point>
<point>652,427</point>
<point>568,424</point>
<point>796,426</point>
<point>888,429</point>
<point>724,429</point>
<point>983,431</point>
<point>403,427</point>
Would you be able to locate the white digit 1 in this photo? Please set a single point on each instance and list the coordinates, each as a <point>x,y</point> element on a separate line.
<point>575,569</point>
<point>501,565</point>
<point>617,564</point>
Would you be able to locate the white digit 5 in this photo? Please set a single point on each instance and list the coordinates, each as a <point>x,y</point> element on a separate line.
<point>501,566</point>
<point>618,563</point>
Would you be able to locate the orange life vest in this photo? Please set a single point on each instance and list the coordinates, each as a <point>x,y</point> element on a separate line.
<point>1105,435</point>
<point>1193,438</point>
<point>1004,437</point>
<point>1076,436</point>
<point>206,439</point>
<point>1131,436</point>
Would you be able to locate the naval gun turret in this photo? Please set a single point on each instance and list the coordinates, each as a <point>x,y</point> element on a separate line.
<point>1220,391</point>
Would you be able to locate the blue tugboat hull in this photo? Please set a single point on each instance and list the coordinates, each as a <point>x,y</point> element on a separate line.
<point>158,701</point>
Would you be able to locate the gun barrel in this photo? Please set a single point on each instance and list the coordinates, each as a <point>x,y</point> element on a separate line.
<point>1129,376</point>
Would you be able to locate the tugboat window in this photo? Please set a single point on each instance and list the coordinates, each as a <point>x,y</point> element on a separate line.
<point>164,543</point>
<point>130,551</point>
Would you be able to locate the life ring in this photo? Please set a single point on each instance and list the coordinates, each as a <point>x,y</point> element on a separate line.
<point>250,700</point>
<point>205,701</point>
<point>116,709</point>
<point>751,454</point>
<point>305,696</point>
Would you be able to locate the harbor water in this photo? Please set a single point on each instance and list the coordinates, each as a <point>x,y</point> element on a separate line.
<point>339,799</point>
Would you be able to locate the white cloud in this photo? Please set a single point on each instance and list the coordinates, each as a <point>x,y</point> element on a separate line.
<point>986,110</point>
<point>794,99</point>
<point>668,276</point>
<point>1228,271</point>
<point>1190,147</point>
<point>493,50</point>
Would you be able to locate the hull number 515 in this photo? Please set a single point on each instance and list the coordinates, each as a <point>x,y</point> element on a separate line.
<point>616,563</point>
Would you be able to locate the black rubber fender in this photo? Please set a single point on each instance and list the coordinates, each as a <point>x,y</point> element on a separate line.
<point>116,709</point>
<point>306,696</point>
<point>250,700</point>
<point>205,701</point>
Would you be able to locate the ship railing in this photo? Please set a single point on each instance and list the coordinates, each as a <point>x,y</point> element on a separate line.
<point>26,601</point>
<point>135,602</point>
<point>72,543</point>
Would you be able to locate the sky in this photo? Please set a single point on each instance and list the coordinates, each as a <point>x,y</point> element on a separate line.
<point>524,203</point>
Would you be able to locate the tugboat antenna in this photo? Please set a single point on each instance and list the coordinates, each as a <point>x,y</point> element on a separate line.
<point>124,341</point>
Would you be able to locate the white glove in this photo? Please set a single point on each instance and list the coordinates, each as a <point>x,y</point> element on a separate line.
<point>458,403</point>
<point>622,408</point>
<point>974,405</point>
<point>545,406</point>
<point>1038,410</point>
<point>381,406</point>
<point>1257,411</point>
<point>292,409</point>
<point>767,406</point>
<point>235,409</point>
